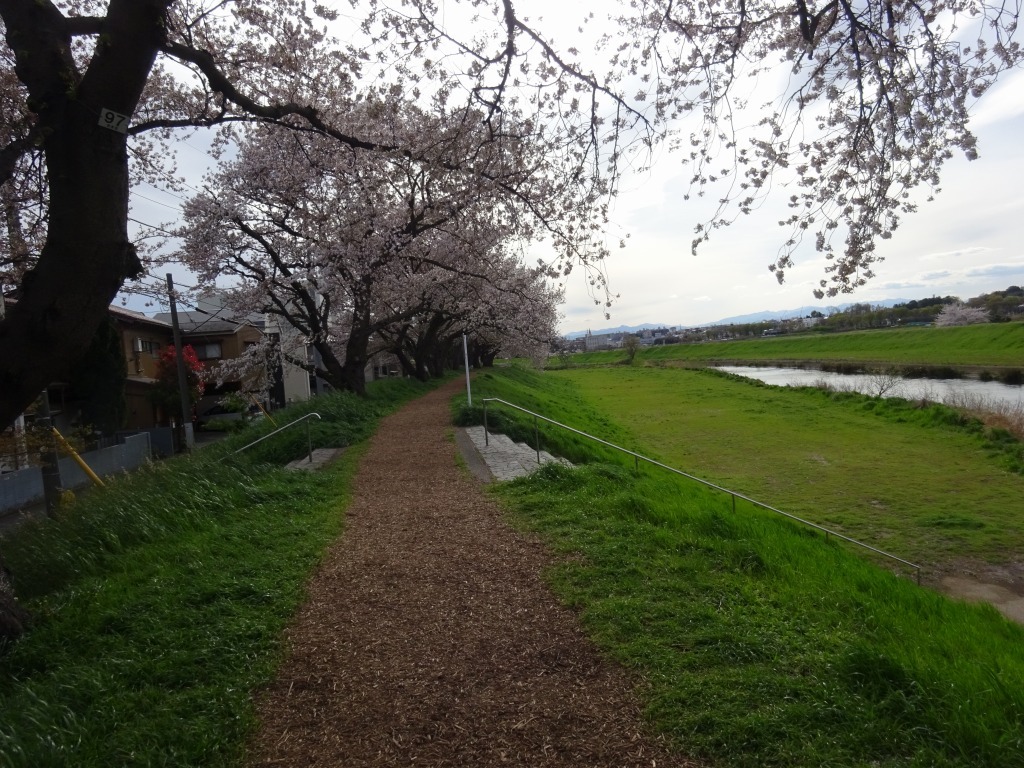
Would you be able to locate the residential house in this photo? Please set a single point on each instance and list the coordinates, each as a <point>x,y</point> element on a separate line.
<point>142,339</point>
<point>216,337</point>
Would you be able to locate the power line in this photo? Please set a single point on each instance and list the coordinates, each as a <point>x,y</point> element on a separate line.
<point>160,293</point>
<point>157,202</point>
<point>151,226</point>
<point>163,191</point>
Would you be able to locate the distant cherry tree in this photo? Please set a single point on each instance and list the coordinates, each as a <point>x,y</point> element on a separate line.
<point>961,314</point>
<point>512,311</point>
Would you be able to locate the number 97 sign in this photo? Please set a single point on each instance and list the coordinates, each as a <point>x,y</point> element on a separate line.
<point>113,121</point>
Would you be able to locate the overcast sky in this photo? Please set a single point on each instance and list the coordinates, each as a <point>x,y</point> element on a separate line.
<point>966,242</point>
<point>969,240</point>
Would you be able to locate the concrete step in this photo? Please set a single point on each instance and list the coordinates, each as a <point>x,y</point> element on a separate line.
<point>320,458</point>
<point>506,459</point>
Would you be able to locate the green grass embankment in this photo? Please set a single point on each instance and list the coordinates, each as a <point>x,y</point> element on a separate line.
<point>757,642</point>
<point>924,482</point>
<point>159,602</point>
<point>992,345</point>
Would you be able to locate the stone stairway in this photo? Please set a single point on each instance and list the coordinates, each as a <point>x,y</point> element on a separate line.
<point>499,459</point>
<point>505,459</point>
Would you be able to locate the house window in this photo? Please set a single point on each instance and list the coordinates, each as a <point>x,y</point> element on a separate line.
<point>140,345</point>
<point>208,351</point>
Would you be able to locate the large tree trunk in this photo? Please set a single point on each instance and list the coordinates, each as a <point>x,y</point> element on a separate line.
<point>422,367</point>
<point>357,347</point>
<point>438,362</point>
<point>353,370</point>
<point>87,255</point>
<point>351,375</point>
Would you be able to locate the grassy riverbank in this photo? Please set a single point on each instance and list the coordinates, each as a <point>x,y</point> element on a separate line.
<point>992,345</point>
<point>159,602</point>
<point>758,643</point>
<point>919,481</point>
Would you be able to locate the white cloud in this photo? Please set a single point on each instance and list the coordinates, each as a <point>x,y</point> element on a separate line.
<point>958,254</point>
<point>996,270</point>
<point>1003,102</point>
<point>901,286</point>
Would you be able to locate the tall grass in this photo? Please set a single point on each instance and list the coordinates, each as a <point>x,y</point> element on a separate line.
<point>159,602</point>
<point>994,414</point>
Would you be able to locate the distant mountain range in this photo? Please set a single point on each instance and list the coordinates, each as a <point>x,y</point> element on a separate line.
<point>754,317</point>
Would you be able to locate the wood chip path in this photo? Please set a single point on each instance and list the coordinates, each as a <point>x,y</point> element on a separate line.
<point>429,638</point>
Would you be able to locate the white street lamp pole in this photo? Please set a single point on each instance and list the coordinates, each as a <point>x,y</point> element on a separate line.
<point>465,355</point>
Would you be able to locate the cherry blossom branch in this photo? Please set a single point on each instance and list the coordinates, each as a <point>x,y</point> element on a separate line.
<point>276,113</point>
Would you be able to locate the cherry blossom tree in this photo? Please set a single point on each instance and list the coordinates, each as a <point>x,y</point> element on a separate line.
<point>513,310</point>
<point>877,100</point>
<point>342,245</point>
<point>961,314</point>
<point>79,77</point>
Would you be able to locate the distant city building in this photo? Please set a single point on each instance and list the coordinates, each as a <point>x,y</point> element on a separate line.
<point>599,341</point>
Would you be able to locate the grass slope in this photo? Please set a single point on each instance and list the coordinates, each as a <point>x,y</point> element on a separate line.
<point>760,644</point>
<point>160,601</point>
<point>920,482</point>
<point>519,385</point>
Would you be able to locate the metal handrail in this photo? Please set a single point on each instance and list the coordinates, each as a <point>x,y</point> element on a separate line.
<point>637,457</point>
<point>309,441</point>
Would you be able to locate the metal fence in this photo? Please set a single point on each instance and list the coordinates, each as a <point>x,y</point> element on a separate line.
<point>637,458</point>
<point>24,487</point>
<point>309,439</point>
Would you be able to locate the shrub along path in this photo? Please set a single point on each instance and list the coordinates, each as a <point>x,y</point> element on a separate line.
<point>429,638</point>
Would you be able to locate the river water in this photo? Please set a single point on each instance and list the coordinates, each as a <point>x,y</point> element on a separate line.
<point>949,391</point>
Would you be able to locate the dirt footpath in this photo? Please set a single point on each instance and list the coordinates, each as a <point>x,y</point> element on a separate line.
<point>429,638</point>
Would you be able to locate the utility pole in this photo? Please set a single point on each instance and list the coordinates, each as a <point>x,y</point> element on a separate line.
<point>52,482</point>
<point>186,409</point>
<point>465,356</point>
